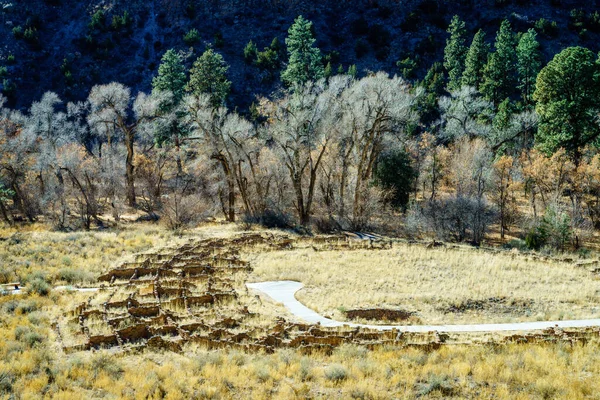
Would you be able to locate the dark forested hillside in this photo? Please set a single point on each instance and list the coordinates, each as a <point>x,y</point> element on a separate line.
<point>68,46</point>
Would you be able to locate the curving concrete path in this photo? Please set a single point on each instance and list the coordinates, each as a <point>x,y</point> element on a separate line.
<point>284,292</point>
<point>67,288</point>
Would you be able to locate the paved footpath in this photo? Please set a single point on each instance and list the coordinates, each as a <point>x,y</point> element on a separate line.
<point>284,292</point>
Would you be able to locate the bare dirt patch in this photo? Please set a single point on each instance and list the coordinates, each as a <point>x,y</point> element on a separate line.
<point>379,314</point>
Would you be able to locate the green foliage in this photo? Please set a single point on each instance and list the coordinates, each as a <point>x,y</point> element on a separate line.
<point>171,78</point>
<point>250,52</point>
<point>31,35</point>
<point>336,373</point>
<point>499,74</point>
<point>328,72</point>
<point>171,75</point>
<point>352,71</point>
<point>97,20</point>
<point>477,57</point>
<point>408,67</point>
<point>191,37</point>
<point>9,88</point>
<point>3,71</point>
<point>455,52</point>
<point>304,62</point>
<point>121,21</point>
<point>546,27</point>
<point>39,286</point>
<point>209,75</point>
<point>395,173</point>
<point>502,118</point>
<point>11,60</point>
<point>568,101</point>
<point>528,64</point>
<point>553,230</point>
<point>17,32</point>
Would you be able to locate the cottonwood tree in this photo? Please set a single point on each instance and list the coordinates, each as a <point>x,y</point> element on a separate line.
<point>512,131</point>
<point>18,149</point>
<point>471,177</point>
<point>112,113</point>
<point>504,188</point>
<point>302,126</point>
<point>465,113</point>
<point>378,110</point>
<point>546,176</point>
<point>230,140</point>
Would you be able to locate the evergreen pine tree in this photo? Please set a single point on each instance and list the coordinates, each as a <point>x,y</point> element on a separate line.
<point>340,70</point>
<point>499,74</point>
<point>171,76</point>
<point>328,72</point>
<point>528,64</point>
<point>455,52</point>
<point>304,60</point>
<point>250,52</point>
<point>209,75</point>
<point>352,71</point>
<point>567,95</point>
<point>475,62</point>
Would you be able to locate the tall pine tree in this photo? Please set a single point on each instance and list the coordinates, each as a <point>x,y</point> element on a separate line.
<point>567,95</point>
<point>476,59</point>
<point>455,52</point>
<point>171,76</point>
<point>209,75</point>
<point>305,61</point>
<point>528,64</point>
<point>499,74</point>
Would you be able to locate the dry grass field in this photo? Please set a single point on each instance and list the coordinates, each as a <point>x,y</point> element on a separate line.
<point>33,365</point>
<point>439,285</point>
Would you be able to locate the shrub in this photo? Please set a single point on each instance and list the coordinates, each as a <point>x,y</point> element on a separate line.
<point>546,27</point>
<point>191,37</point>
<point>270,219</point>
<point>11,59</point>
<point>407,67</point>
<point>6,382</point>
<point>17,32</point>
<point>31,35</point>
<point>3,71</point>
<point>38,286</point>
<point>121,21</point>
<point>459,219</point>
<point>9,88</point>
<point>250,52</point>
<point>395,173</point>
<point>73,276</point>
<point>336,373</point>
<point>97,20</point>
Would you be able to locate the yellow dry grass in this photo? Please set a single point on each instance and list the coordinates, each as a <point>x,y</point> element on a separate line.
<point>441,285</point>
<point>32,364</point>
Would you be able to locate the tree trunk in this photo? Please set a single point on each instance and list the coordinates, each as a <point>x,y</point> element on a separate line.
<point>130,169</point>
<point>230,214</point>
